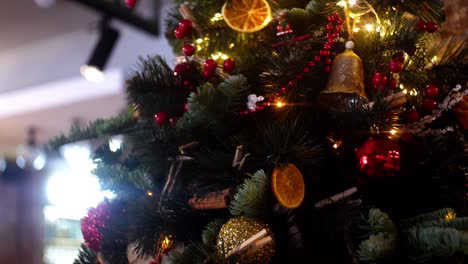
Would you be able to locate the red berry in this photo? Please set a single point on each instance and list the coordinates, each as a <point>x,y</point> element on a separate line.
<point>432,90</point>
<point>185,25</point>
<point>306,70</point>
<point>339,28</point>
<point>317,58</point>
<point>208,74</point>
<point>395,66</point>
<point>331,19</point>
<point>186,105</point>
<point>336,16</point>
<point>299,76</point>
<point>210,65</point>
<point>291,83</point>
<point>422,26</point>
<point>379,80</point>
<point>429,104</point>
<point>392,83</point>
<point>412,115</point>
<point>327,69</point>
<point>180,69</point>
<point>311,63</point>
<point>339,22</point>
<point>160,118</point>
<point>431,27</point>
<point>188,50</point>
<point>228,65</point>
<point>284,89</point>
<point>328,61</point>
<point>329,27</point>
<point>179,33</point>
<point>130,3</point>
<point>172,121</point>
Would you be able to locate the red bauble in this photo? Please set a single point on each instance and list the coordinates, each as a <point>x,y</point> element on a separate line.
<point>379,157</point>
<point>431,27</point>
<point>392,83</point>
<point>179,33</point>
<point>181,68</point>
<point>208,74</point>
<point>160,118</point>
<point>429,104</point>
<point>412,115</point>
<point>90,224</point>
<point>186,25</point>
<point>422,26</point>
<point>395,66</point>
<point>379,80</point>
<point>228,65</point>
<point>130,3</point>
<point>432,90</point>
<point>210,65</point>
<point>188,50</point>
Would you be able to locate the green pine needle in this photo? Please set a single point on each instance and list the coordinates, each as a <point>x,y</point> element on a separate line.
<point>86,256</point>
<point>252,197</point>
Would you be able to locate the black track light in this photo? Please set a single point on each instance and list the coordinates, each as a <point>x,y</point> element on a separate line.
<point>93,70</point>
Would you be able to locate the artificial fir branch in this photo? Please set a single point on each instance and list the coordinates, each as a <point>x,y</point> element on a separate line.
<point>96,129</point>
<point>252,198</point>
<point>211,231</point>
<point>117,177</point>
<point>432,216</point>
<point>86,256</point>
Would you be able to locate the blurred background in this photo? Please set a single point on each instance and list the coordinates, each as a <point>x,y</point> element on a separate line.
<point>44,90</point>
<point>64,63</point>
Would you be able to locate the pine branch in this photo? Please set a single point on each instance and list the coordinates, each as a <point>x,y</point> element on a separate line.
<point>433,216</point>
<point>117,177</point>
<point>86,256</point>
<point>380,222</point>
<point>211,232</point>
<point>96,129</point>
<point>253,197</point>
<point>437,241</point>
<point>457,223</point>
<point>210,106</point>
<point>377,247</point>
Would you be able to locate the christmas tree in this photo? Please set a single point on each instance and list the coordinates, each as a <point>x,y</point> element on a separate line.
<point>288,132</point>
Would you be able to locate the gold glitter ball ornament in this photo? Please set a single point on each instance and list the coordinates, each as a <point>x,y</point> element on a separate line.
<point>238,230</point>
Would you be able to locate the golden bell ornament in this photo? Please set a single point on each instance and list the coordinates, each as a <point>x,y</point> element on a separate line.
<point>345,87</point>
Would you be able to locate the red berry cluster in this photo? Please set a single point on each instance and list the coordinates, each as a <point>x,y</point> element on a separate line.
<point>209,68</point>
<point>184,29</point>
<point>381,81</point>
<point>429,27</point>
<point>334,27</point>
<point>429,103</point>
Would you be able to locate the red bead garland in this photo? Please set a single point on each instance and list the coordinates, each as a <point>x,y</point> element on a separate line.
<point>334,27</point>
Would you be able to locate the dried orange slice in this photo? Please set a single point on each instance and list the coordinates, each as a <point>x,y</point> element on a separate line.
<point>288,185</point>
<point>246,15</point>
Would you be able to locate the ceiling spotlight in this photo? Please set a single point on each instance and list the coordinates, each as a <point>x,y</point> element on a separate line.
<point>93,70</point>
